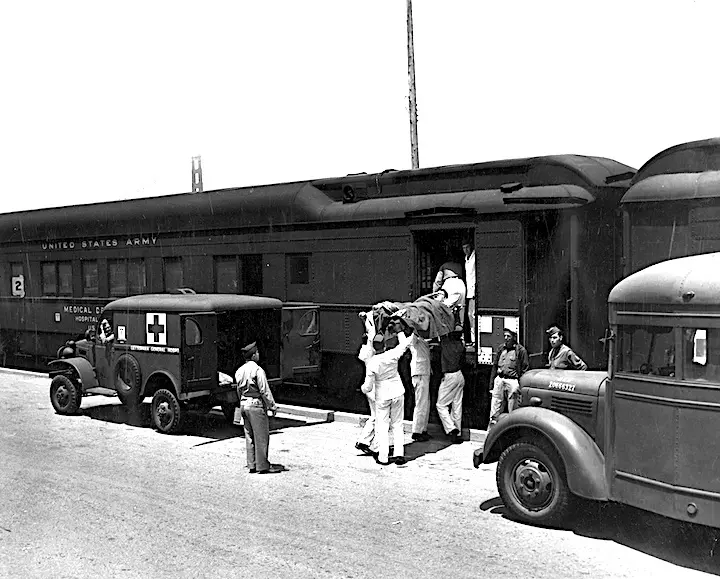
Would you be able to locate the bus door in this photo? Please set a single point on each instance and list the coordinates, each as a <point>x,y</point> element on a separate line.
<point>664,411</point>
<point>198,351</point>
<point>301,351</point>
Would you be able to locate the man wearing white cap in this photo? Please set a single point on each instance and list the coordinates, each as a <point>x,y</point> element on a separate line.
<point>256,401</point>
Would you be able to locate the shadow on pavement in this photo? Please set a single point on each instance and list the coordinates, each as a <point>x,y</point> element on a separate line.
<point>209,425</point>
<point>692,546</point>
<point>416,449</point>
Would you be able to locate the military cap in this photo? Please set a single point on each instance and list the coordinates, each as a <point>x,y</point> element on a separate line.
<point>513,332</point>
<point>553,330</point>
<point>249,349</point>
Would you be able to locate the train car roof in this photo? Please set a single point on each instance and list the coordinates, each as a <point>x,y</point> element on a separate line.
<point>687,171</point>
<point>190,303</point>
<point>518,185</point>
<point>693,281</point>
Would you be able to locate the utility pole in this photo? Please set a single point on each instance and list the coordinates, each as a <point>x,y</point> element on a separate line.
<point>197,185</point>
<point>414,153</point>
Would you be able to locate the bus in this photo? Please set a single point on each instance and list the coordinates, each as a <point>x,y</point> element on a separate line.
<point>640,434</point>
<point>546,232</point>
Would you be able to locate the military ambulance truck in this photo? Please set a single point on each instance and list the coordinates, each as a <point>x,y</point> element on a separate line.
<point>644,433</point>
<point>182,350</point>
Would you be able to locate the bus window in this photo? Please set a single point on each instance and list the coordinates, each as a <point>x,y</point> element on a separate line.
<point>646,350</point>
<point>701,354</point>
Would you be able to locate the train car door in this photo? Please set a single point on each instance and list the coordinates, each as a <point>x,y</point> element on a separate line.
<point>301,351</point>
<point>198,351</point>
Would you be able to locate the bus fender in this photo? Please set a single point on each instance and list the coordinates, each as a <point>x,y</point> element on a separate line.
<point>583,460</point>
<point>78,366</point>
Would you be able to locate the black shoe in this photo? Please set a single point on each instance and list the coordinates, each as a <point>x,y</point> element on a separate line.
<point>253,471</point>
<point>274,468</point>
<point>398,460</point>
<point>364,448</point>
<point>453,433</point>
<point>421,436</point>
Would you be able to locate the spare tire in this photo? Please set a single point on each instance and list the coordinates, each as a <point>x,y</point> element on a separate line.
<point>128,380</point>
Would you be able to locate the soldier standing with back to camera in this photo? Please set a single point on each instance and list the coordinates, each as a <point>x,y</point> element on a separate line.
<point>256,401</point>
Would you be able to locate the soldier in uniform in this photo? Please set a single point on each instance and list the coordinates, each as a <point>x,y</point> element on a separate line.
<point>561,357</point>
<point>256,402</point>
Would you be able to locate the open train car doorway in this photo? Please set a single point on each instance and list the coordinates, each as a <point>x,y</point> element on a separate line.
<point>433,247</point>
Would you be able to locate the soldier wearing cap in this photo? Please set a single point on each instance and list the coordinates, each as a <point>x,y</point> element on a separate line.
<point>256,401</point>
<point>561,357</point>
<point>510,363</point>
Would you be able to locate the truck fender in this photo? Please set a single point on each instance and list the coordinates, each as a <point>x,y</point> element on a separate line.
<point>584,462</point>
<point>150,387</point>
<point>79,366</point>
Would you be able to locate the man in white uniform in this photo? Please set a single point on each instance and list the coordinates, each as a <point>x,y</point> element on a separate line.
<point>455,289</point>
<point>382,376</point>
<point>367,443</point>
<point>469,251</point>
<point>420,375</point>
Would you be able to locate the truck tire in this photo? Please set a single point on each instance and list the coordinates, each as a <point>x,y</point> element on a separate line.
<point>166,412</point>
<point>532,483</point>
<point>65,395</point>
<point>128,381</point>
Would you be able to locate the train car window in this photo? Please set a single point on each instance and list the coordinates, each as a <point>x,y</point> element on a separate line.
<point>226,275</point>
<point>173,273</point>
<point>298,266</point>
<point>646,350</point>
<point>49,279</point>
<point>126,276</point>
<point>65,278</point>
<point>56,278</point>
<point>137,280</point>
<point>117,277</point>
<point>701,354</point>
<point>90,278</point>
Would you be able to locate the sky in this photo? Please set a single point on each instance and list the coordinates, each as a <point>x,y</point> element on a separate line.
<point>111,100</point>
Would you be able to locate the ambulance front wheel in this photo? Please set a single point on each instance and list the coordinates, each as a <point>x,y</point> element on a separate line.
<point>166,412</point>
<point>65,395</point>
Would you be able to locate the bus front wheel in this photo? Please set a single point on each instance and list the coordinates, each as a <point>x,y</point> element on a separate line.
<point>532,483</point>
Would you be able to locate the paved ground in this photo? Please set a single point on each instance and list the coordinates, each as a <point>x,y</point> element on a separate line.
<point>101,494</point>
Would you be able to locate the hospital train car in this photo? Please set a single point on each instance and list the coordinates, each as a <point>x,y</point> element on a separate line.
<point>547,235</point>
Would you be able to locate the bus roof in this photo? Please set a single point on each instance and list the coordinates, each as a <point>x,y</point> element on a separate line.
<point>190,303</point>
<point>562,181</point>
<point>686,171</point>
<point>693,280</point>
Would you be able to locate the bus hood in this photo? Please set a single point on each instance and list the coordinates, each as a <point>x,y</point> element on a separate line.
<point>575,381</point>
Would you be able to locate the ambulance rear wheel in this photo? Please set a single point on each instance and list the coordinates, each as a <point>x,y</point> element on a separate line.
<point>65,395</point>
<point>532,483</point>
<point>166,412</point>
